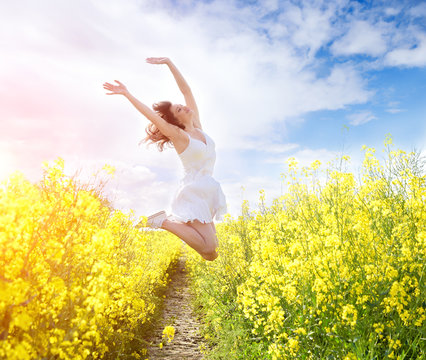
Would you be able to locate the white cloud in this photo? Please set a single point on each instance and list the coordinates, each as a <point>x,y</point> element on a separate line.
<point>362,38</point>
<point>279,148</point>
<point>306,156</point>
<point>418,11</point>
<point>138,187</point>
<point>309,27</point>
<point>409,56</point>
<point>361,118</point>
<point>270,144</point>
<point>394,110</point>
<point>394,107</point>
<point>392,11</point>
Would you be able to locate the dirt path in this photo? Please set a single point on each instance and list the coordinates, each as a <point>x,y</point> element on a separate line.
<point>178,313</point>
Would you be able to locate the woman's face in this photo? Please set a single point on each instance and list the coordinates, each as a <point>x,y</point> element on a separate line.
<point>182,113</point>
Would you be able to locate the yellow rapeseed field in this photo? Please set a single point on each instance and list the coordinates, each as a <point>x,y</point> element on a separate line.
<point>77,279</point>
<point>334,269</point>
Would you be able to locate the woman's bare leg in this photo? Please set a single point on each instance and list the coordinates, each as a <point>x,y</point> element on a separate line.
<point>201,237</point>
<point>208,232</point>
<point>214,230</point>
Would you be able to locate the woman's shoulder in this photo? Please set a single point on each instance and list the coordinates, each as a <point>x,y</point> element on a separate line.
<point>181,142</point>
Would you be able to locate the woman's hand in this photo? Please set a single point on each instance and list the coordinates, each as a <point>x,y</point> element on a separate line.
<point>182,84</point>
<point>158,60</point>
<point>119,89</point>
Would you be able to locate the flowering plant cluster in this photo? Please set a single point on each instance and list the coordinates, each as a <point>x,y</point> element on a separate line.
<point>77,279</point>
<point>333,269</point>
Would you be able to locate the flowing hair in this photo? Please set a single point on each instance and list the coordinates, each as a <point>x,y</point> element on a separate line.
<point>154,135</point>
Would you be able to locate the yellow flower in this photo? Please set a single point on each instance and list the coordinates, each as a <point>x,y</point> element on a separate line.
<point>300,331</point>
<point>169,331</point>
<point>72,248</point>
<point>110,170</point>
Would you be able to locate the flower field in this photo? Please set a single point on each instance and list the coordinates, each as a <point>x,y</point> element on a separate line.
<point>77,279</point>
<point>334,269</point>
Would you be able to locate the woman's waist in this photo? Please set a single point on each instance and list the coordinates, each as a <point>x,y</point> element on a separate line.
<point>196,174</point>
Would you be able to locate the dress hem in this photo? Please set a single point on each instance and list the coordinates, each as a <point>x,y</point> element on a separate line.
<point>217,217</point>
<point>186,220</point>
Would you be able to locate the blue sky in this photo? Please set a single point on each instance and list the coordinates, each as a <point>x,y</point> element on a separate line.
<point>273,79</point>
<point>398,108</point>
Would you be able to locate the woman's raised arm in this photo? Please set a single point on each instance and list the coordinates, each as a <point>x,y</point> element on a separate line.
<point>182,84</point>
<point>169,130</point>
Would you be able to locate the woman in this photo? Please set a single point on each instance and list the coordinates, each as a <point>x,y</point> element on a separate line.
<point>199,198</point>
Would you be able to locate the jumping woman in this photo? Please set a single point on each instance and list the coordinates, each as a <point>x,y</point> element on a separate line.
<point>199,198</point>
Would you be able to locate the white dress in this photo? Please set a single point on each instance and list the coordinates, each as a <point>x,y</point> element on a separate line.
<point>199,196</point>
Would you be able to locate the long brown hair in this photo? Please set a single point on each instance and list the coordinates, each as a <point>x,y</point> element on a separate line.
<point>155,136</point>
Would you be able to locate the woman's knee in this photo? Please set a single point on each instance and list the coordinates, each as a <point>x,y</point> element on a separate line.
<point>210,252</point>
